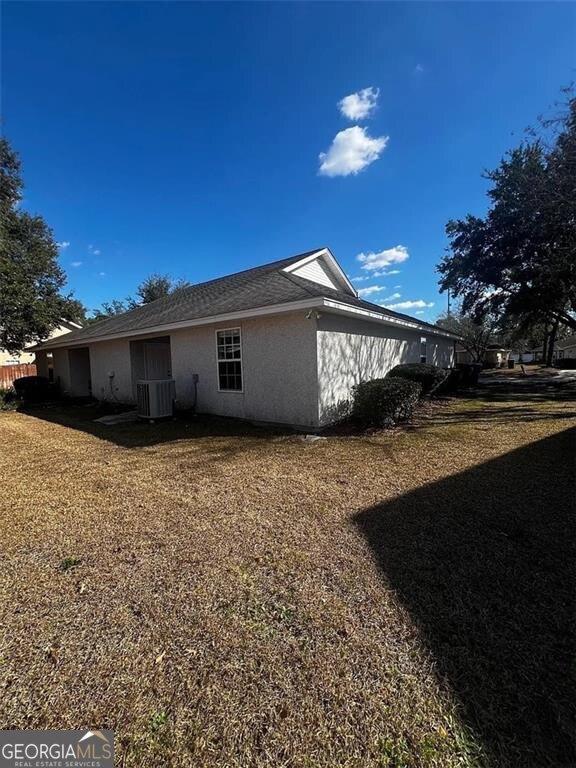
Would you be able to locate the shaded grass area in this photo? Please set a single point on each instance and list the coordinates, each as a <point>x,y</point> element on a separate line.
<point>221,595</point>
<point>484,561</point>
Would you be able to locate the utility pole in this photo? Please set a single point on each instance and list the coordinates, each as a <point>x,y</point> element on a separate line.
<point>448,302</point>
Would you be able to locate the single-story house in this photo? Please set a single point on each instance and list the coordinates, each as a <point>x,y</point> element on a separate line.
<point>494,356</point>
<point>27,356</point>
<point>284,342</point>
<point>13,365</point>
<point>563,348</point>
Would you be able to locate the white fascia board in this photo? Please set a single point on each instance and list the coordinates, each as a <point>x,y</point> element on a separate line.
<point>348,309</point>
<point>336,268</point>
<point>273,309</point>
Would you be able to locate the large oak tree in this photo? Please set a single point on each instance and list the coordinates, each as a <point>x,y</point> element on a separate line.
<point>519,261</point>
<point>31,280</point>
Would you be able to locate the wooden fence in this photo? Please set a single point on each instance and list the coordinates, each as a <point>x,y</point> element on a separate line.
<point>10,372</point>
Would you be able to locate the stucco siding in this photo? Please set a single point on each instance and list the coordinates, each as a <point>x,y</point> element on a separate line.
<point>62,370</point>
<point>41,361</point>
<point>440,351</point>
<point>111,357</point>
<point>354,350</point>
<point>278,368</point>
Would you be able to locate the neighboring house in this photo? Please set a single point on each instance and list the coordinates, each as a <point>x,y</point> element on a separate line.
<point>284,342</point>
<point>494,357</point>
<point>563,348</point>
<point>16,364</point>
<point>26,357</point>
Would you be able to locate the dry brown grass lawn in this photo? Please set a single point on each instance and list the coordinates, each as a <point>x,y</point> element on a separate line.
<point>223,596</point>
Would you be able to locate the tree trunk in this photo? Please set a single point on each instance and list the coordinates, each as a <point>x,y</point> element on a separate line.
<point>545,343</point>
<point>552,343</point>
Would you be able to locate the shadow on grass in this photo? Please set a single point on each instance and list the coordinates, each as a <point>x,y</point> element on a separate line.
<point>485,562</point>
<point>142,434</point>
<point>497,413</point>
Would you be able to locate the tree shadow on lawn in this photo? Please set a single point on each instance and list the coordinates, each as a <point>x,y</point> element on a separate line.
<point>142,434</point>
<point>485,562</point>
<point>486,412</point>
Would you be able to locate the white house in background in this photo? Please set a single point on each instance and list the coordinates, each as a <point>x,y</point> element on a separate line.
<point>27,357</point>
<point>284,342</point>
<point>565,348</point>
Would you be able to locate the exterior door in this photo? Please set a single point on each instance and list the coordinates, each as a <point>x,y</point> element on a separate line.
<point>157,361</point>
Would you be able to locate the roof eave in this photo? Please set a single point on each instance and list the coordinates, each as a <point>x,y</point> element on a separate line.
<point>332,305</point>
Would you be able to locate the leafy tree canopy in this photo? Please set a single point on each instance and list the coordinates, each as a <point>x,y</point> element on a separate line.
<point>156,287</point>
<point>152,288</point>
<point>519,261</point>
<point>475,335</point>
<point>31,280</point>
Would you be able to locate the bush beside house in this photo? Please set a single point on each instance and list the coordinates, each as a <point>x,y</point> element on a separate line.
<point>35,389</point>
<point>8,400</point>
<point>428,376</point>
<point>383,402</point>
<point>566,363</point>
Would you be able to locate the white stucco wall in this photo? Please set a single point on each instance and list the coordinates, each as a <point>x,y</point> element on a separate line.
<point>296,370</point>
<point>62,369</point>
<point>278,366</point>
<point>108,357</point>
<point>352,350</point>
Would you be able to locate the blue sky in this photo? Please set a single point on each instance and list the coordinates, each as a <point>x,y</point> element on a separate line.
<point>186,138</point>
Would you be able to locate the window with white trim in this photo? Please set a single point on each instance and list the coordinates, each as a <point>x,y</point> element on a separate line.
<point>422,349</point>
<point>229,354</point>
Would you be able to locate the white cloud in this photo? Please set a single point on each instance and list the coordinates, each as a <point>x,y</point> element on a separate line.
<point>393,297</point>
<point>359,105</point>
<point>418,69</point>
<point>101,274</point>
<point>361,278</point>
<point>63,245</point>
<point>416,304</point>
<point>351,151</point>
<point>94,251</point>
<point>382,259</point>
<point>420,312</point>
<point>76,263</point>
<point>370,289</point>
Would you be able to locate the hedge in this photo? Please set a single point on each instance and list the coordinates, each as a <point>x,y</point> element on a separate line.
<point>35,389</point>
<point>383,402</point>
<point>428,376</point>
<point>566,363</point>
<point>8,400</point>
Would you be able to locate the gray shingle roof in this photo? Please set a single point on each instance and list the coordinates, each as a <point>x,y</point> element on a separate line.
<point>257,287</point>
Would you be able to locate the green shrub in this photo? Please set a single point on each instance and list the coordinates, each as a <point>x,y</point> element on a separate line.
<point>566,363</point>
<point>428,376</point>
<point>469,373</point>
<point>8,400</point>
<point>383,402</point>
<point>451,383</point>
<point>34,389</point>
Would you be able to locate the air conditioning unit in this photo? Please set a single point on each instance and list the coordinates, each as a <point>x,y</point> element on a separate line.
<point>156,398</point>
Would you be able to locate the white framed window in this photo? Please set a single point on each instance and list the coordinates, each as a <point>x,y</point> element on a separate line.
<point>229,356</point>
<point>423,357</point>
